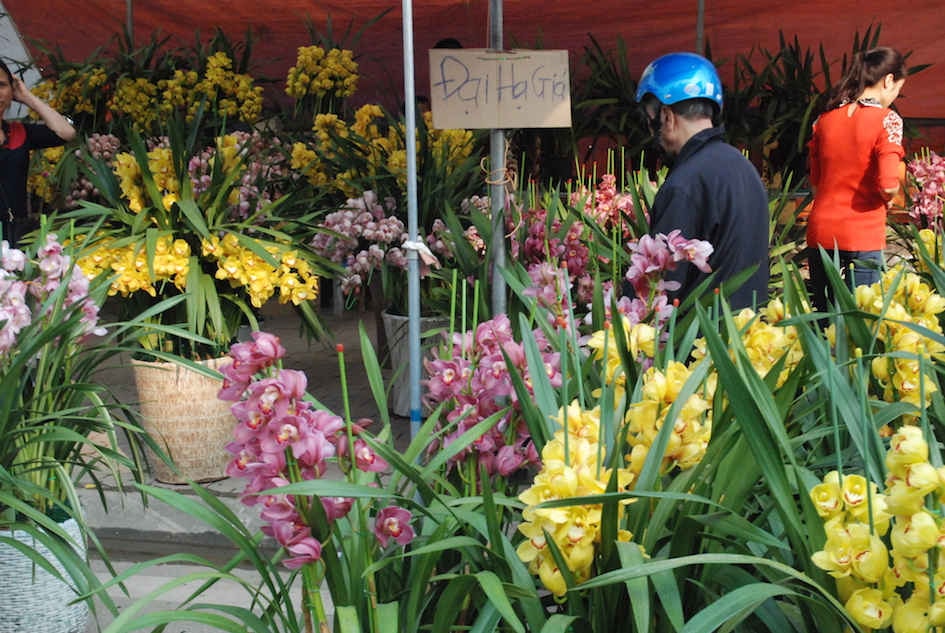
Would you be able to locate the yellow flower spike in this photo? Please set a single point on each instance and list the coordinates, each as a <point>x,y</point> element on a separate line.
<point>913,536</point>
<point>869,609</point>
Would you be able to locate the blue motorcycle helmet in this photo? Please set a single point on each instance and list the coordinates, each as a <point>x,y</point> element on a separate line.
<point>676,77</point>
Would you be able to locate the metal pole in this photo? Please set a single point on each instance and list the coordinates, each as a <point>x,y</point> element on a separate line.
<point>130,21</point>
<point>413,266</point>
<point>700,28</point>
<point>497,179</point>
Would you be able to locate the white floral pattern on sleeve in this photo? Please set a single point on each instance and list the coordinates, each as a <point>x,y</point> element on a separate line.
<point>892,123</point>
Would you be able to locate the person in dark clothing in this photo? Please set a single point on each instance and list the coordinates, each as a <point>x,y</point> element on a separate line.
<point>17,139</point>
<point>712,192</point>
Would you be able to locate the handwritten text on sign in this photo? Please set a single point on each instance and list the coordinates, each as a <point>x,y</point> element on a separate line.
<point>477,88</point>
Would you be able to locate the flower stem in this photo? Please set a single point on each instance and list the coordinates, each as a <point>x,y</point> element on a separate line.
<point>312,598</point>
<point>344,382</point>
<point>349,431</point>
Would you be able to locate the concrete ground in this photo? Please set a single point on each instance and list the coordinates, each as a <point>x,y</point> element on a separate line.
<point>132,532</point>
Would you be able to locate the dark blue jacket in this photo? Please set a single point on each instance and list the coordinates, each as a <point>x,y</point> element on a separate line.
<point>713,193</point>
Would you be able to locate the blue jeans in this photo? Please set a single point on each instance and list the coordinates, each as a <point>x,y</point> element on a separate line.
<point>857,268</point>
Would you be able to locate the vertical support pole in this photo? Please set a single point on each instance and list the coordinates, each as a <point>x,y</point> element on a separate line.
<point>413,265</point>
<point>497,179</point>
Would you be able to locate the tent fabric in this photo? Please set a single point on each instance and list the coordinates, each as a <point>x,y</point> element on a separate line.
<point>731,27</point>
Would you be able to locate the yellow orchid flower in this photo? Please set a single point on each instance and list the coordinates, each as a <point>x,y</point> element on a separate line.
<point>869,609</point>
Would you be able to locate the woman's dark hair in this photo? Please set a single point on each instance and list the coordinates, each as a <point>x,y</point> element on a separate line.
<point>867,69</point>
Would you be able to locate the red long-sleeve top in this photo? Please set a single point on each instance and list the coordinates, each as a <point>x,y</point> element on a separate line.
<point>852,159</point>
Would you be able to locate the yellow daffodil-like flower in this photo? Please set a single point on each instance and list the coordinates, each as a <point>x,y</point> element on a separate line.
<point>853,500</point>
<point>365,121</point>
<point>902,297</point>
<point>691,429</point>
<point>911,570</point>
<point>129,264</point>
<point>855,490</point>
<point>828,499</point>
<point>915,535</point>
<point>766,341</point>
<point>902,500</point>
<point>571,467</point>
<point>869,608</point>
<point>922,477</point>
<point>837,556</point>
<point>641,339</point>
<point>870,557</point>
<point>168,200</point>
<point>242,267</point>
<point>906,447</point>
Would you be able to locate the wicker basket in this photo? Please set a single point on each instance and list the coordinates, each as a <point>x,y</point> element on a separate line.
<point>180,410</point>
<point>31,599</point>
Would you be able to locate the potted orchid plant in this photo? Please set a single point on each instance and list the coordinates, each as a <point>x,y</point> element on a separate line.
<point>193,237</point>
<point>58,425</point>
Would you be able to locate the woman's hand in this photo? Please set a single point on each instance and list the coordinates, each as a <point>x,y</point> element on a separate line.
<point>21,93</point>
<point>55,121</point>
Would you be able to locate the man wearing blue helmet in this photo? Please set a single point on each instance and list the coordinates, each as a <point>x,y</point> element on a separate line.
<point>712,192</point>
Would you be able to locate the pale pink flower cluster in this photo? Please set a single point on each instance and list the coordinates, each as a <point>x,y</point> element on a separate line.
<point>364,234</point>
<point>18,294</point>
<point>551,287</point>
<point>606,205</point>
<point>545,251</point>
<point>280,438</point>
<point>471,376</point>
<point>651,257</point>
<point>928,175</point>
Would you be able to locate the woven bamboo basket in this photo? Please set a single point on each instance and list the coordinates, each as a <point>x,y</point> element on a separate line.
<point>181,411</point>
<point>31,599</point>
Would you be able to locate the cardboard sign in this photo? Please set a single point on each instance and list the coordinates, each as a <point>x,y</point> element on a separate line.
<point>476,88</point>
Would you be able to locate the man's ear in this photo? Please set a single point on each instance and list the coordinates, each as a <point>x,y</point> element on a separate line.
<point>667,116</point>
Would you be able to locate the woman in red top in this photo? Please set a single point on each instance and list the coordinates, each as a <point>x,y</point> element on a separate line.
<point>855,165</point>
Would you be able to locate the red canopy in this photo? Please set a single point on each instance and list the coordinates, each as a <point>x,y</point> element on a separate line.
<point>648,28</point>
